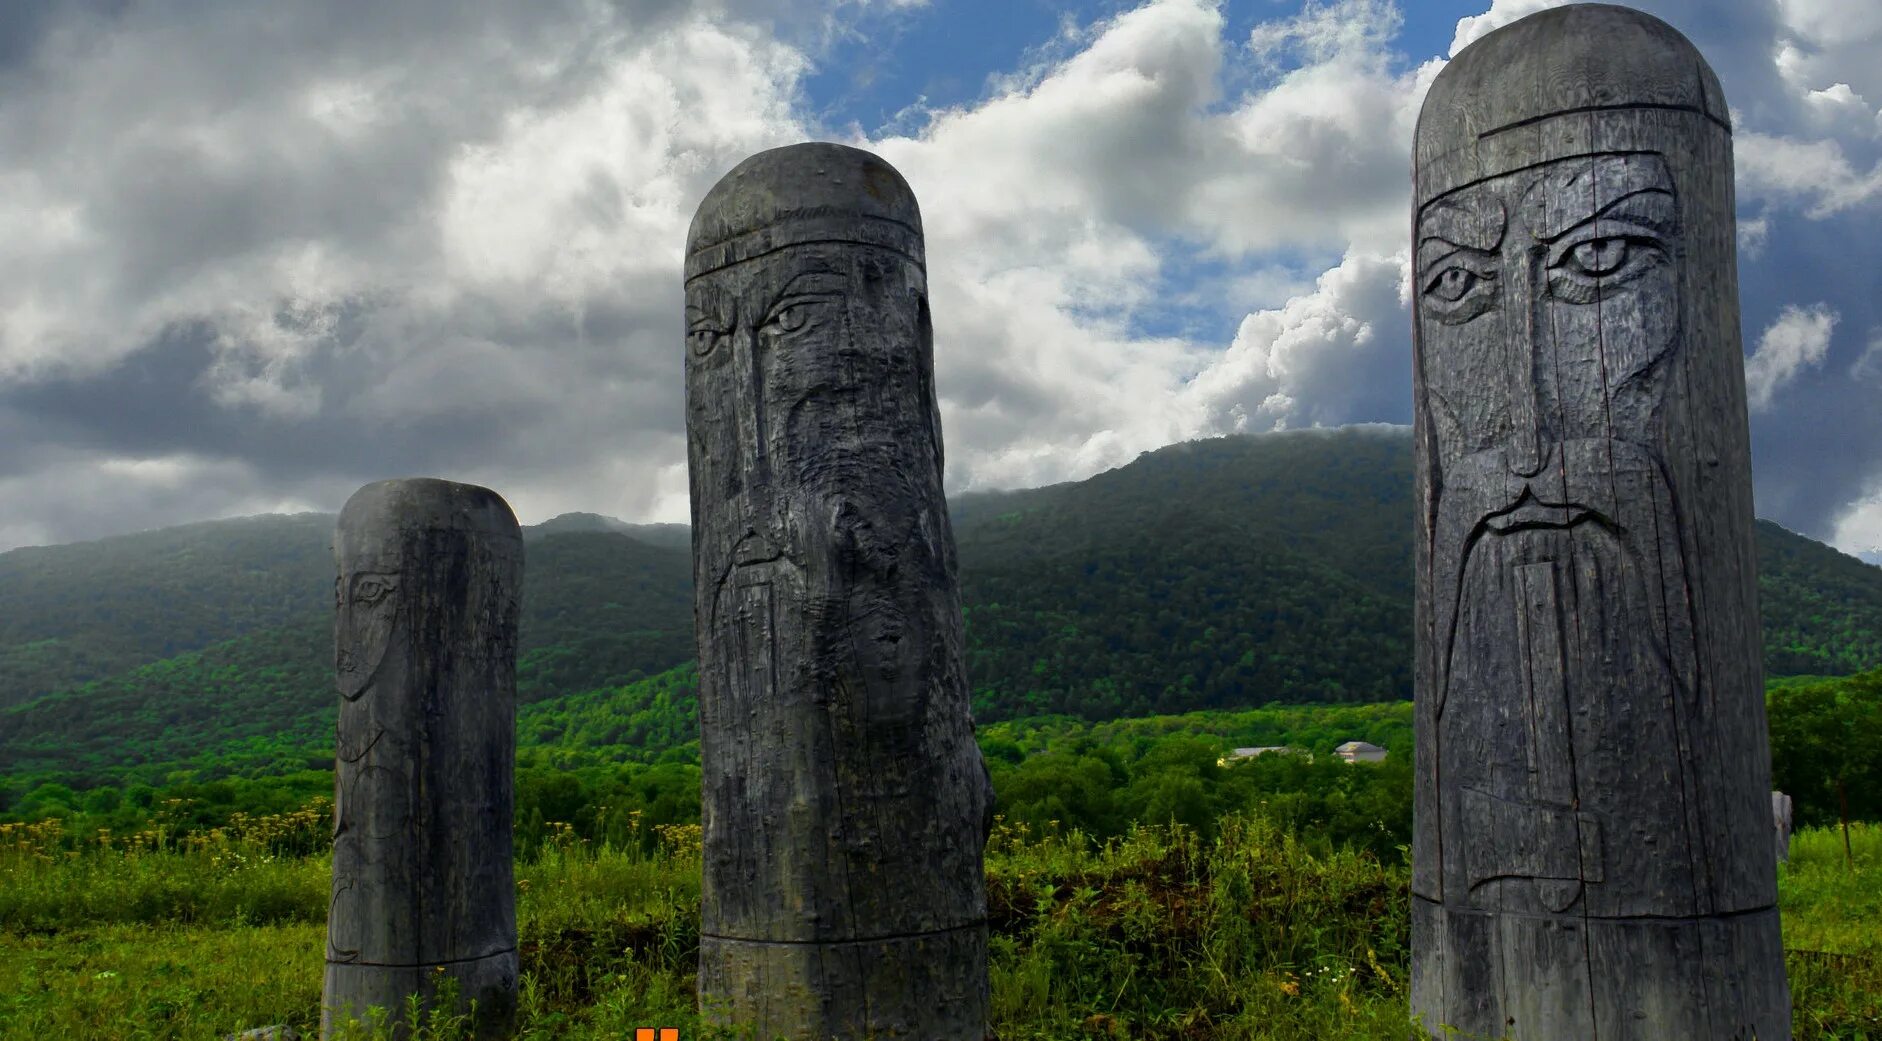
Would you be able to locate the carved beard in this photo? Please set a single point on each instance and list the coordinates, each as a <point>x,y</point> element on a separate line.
<point>1562,639</point>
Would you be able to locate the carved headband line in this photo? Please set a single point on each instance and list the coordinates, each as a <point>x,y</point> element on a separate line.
<point>1525,168</point>
<point>880,232</point>
<point>1657,106</point>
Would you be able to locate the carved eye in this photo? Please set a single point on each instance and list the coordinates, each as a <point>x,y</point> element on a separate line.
<point>702,339</point>
<point>1458,292</point>
<point>370,589</point>
<point>1452,283</point>
<point>1599,256</point>
<point>794,314</point>
<point>1583,270</point>
<point>792,318</point>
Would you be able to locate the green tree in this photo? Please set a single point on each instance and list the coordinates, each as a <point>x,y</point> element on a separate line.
<point>1826,747</point>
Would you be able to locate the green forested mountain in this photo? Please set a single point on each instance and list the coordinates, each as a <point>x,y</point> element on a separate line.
<point>1822,609</point>
<point>1213,575</point>
<point>90,610</point>
<point>1222,573</point>
<point>601,609</point>
<point>85,611</point>
<point>666,536</point>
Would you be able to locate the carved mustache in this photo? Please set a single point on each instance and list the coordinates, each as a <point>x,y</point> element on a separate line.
<point>1580,477</point>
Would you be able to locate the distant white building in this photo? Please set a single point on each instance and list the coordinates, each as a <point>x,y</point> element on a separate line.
<point>1360,752</point>
<point>1250,753</point>
<point>1781,808</point>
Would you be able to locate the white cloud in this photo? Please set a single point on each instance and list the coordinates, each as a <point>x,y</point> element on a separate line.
<point>1815,173</point>
<point>551,172</point>
<point>1868,367</point>
<point>1326,32</point>
<point>366,265</point>
<point>1830,42</point>
<point>461,266</point>
<point>1752,235</point>
<point>1321,358</point>
<point>1051,211</point>
<point>1501,13</point>
<point>1858,529</point>
<point>1797,340</point>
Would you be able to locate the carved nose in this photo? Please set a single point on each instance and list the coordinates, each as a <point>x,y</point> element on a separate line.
<point>1525,454</point>
<point>750,384</point>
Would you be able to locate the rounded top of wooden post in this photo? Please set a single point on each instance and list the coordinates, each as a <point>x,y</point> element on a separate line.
<point>427,502</point>
<point>1574,60</point>
<point>817,191</point>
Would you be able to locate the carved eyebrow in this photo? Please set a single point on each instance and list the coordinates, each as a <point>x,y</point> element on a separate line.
<point>1452,227</point>
<point>814,282</point>
<point>706,300</point>
<point>1650,207</point>
<point>1434,249</point>
<point>1576,191</point>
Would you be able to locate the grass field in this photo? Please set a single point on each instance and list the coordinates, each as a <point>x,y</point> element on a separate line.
<point>1155,935</point>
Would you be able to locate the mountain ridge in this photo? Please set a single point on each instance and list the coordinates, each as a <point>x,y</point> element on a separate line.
<point>1225,573</point>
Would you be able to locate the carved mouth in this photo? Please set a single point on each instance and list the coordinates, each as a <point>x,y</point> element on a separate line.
<point>1532,514</point>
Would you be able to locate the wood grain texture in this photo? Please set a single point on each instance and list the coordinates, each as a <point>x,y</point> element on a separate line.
<point>425,659</point>
<point>1590,852</point>
<point>845,804</point>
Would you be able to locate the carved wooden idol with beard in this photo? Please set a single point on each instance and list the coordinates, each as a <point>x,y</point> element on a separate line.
<point>1592,759</point>
<point>845,802</point>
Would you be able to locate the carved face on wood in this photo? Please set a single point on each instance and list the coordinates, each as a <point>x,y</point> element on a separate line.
<point>818,349</point>
<point>366,609</point>
<point>1558,285</point>
<point>804,343</point>
<point>1548,312</point>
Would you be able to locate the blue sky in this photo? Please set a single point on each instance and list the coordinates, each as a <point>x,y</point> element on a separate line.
<point>254,256</point>
<point>948,51</point>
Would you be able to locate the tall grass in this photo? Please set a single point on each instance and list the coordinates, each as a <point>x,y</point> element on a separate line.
<point>1156,934</point>
<point>1832,905</point>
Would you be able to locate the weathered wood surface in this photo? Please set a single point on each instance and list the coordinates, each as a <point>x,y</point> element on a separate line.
<point>1591,856</point>
<point>425,655</point>
<point>845,803</point>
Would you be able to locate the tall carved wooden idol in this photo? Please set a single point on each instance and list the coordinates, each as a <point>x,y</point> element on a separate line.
<point>845,802</point>
<point>425,650</point>
<point>1592,855</point>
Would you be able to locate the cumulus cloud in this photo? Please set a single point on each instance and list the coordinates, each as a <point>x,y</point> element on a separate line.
<point>1752,233</point>
<point>1815,174</point>
<point>268,256</point>
<point>1322,358</point>
<point>1858,529</point>
<point>1868,367</point>
<point>279,251</point>
<point>1797,340</point>
<point>1501,13</point>
<point>1052,211</point>
<point>1827,48</point>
